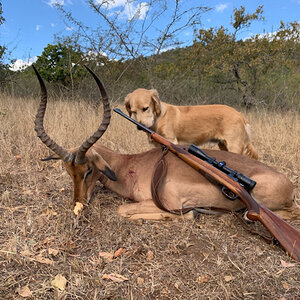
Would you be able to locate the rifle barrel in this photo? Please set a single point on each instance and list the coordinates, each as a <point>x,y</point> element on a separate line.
<point>141,126</point>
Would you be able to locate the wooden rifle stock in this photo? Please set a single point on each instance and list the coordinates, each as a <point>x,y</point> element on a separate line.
<point>285,234</point>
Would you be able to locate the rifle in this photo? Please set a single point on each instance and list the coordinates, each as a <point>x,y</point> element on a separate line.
<point>285,234</point>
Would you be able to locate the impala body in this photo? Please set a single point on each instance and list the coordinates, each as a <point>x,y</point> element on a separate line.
<point>185,187</point>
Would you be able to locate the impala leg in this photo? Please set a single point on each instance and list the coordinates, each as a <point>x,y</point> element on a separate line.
<point>290,213</point>
<point>147,210</point>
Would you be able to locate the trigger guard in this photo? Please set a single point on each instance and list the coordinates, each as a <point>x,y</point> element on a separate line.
<point>229,194</point>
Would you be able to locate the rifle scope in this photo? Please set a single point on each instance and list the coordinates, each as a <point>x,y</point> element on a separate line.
<point>242,179</point>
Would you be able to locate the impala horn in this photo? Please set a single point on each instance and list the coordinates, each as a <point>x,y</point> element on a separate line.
<point>61,152</point>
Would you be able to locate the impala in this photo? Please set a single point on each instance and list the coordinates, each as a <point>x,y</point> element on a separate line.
<point>130,175</point>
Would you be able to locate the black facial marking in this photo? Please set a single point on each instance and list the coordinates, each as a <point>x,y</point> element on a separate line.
<point>87,173</point>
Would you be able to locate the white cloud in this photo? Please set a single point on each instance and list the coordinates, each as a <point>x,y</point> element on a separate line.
<point>142,10</point>
<point>131,9</point>
<point>221,7</point>
<point>208,20</point>
<point>38,27</point>
<point>20,64</point>
<point>167,48</point>
<point>94,54</point>
<point>52,25</point>
<point>69,28</point>
<point>53,3</point>
<point>109,4</point>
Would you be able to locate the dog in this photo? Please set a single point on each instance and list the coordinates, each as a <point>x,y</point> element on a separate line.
<point>197,124</point>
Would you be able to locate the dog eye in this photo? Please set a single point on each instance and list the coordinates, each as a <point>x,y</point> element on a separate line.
<point>145,108</point>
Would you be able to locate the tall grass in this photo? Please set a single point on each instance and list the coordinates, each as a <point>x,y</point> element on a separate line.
<point>274,134</point>
<point>68,123</point>
<point>276,137</point>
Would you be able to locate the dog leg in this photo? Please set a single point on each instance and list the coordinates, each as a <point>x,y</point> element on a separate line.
<point>234,145</point>
<point>223,145</point>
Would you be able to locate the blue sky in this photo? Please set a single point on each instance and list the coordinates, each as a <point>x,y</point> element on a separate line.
<point>31,25</point>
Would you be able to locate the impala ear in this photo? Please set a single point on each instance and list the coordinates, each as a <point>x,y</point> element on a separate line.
<point>127,104</point>
<point>51,157</point>
<point>109,173</point>
<point>57,157</point>
<point>156,102</point>
<point>102,165</point>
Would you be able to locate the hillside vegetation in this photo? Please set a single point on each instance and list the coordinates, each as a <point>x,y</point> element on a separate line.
<point>259,72</point>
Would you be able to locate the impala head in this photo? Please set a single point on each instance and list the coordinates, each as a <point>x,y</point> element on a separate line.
<point>83,163</point>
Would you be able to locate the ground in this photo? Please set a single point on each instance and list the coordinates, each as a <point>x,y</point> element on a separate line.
<point>212,257</point>
<point>47,252</point>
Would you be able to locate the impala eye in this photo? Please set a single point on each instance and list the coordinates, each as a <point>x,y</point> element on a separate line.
<point>145,108</point>
<point>87,173</point>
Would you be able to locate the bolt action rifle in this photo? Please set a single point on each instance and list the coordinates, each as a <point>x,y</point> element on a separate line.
<point>238,184</point>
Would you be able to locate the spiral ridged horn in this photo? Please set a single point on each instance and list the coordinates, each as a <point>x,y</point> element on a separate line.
<point>39,124</point>
<point>80,156</point>
<point>61,152</point>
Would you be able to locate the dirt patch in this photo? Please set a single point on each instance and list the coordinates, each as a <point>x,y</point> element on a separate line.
<point>209,258</point>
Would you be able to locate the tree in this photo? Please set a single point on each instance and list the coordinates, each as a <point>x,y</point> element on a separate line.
<point>2,20</point>
<point>60,64</point>
<point>135,32</point>
<point>3,67</point>
<point>230,62</point>
<point>256,67</point>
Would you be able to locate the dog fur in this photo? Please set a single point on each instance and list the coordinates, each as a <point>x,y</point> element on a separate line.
<point>192,124</point>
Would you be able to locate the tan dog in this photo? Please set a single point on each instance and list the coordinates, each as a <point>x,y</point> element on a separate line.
<point>192,124</point>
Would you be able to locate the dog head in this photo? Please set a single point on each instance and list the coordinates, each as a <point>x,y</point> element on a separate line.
<point>143,106</point>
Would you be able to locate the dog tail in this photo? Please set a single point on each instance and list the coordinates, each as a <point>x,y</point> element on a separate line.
<point>249,149</point>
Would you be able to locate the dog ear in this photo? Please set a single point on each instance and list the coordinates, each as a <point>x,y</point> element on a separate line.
<point>156,102</point>
<point>127,104</point>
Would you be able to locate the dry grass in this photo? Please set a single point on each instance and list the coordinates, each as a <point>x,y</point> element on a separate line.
<point>211,258</point>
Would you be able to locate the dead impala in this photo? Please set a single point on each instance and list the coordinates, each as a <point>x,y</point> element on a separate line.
<point>130,175</point>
